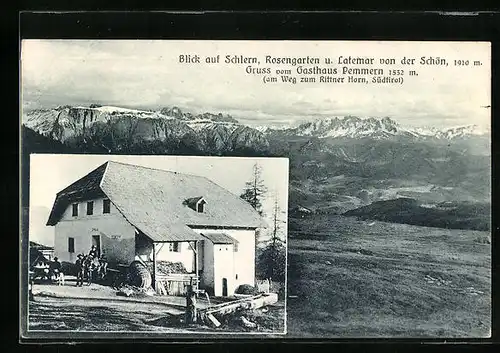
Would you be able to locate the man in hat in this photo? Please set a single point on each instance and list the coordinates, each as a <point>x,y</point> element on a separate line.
<point>79,270</point>
<point>55,267</point>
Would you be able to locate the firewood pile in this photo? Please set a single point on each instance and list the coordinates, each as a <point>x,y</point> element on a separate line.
<point>167,267</point>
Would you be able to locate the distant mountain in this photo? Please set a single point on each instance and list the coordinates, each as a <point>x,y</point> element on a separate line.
<point>384,128</point>
<point>112,129</point>
<point>336,164</point>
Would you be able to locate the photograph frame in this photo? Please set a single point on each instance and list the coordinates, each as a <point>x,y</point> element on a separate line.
<point>387,35</point>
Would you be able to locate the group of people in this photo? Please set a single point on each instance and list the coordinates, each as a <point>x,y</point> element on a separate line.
<point>88,265</point>
<point>51,270</point>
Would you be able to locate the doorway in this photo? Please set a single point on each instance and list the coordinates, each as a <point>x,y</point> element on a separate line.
<point>96,240</point>
<point>224,287</point>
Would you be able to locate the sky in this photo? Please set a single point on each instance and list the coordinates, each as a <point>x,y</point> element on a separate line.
<point>147,74</point>
<point>50,173</point>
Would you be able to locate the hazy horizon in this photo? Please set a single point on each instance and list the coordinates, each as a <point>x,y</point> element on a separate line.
<point>146,74</point>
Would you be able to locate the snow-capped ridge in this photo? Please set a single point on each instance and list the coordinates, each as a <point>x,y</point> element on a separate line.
<point>376,128</point>
<point>111,109</point>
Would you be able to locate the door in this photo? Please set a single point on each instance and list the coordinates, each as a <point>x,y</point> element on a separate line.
<point>224,287</point>
<point>96,240</point>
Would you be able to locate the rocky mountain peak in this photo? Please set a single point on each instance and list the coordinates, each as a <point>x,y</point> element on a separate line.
<point>378,128</point>
<point>348,126</point>
<point>116,128</point>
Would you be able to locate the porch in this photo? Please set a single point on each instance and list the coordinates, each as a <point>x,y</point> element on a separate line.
<point>173,265</point>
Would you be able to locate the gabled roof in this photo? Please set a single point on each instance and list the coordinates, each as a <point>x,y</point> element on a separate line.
<point>38,246</point>
<point>154,201</point>
<point>85,188</point>
<point>220,238</point>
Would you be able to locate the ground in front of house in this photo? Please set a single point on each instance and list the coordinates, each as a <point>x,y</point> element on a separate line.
<point>99,308</point>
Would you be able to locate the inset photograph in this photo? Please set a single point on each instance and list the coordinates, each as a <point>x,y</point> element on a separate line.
<point>157,243</point>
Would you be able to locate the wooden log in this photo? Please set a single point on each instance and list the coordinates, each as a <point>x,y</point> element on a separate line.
<point>254,302</point>
<point>213,320</point>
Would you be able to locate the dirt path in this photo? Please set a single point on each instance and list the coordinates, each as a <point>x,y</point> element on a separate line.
<point>83,315</point>
<point>47,313</point>
<point>97,292</point>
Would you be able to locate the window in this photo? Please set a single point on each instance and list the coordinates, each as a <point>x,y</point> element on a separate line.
<point>75,210</point>
<point>235,246</point>
<point>174,246</point>
<point>196,203</point>
<point>71,245</point>
<point>90,208</point>
<point>106,206</point>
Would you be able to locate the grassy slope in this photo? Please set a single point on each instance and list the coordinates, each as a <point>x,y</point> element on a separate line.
<point>405,210</point>
<point>373,281</point>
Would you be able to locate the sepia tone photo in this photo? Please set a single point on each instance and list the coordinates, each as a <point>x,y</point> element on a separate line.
<point>383,206</point>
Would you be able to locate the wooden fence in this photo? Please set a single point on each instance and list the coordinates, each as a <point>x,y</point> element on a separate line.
<point>175,283</point>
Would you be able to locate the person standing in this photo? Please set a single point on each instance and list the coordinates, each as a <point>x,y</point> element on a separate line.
<point>103,267</point>
<point>93,252</point>
<point>79,269</point>
<point>55,268</point>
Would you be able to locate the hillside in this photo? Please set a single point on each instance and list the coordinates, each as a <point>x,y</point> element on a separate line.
<point>450,215</point>
<point>353,278</point>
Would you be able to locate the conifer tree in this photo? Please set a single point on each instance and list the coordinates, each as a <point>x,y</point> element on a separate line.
<point>272,259</point>
<point>255,189</point>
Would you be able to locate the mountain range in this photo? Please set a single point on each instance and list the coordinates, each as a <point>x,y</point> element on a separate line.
<point>384,128</point>
<point>214,132</point>
<point>114,129</point>
<point>336,164</point>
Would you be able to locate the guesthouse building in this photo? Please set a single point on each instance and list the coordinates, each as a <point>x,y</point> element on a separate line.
<point>184,228</point>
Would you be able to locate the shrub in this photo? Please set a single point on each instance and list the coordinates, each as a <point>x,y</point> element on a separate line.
<point>246,289</point>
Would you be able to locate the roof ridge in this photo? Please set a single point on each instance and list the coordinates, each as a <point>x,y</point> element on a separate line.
<point>157,169</point>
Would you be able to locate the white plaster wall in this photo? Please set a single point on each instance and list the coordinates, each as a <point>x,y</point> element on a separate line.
<point>117,235</point>
<point>224,268</point>
<point>243,259</point>
<point>185,255</point>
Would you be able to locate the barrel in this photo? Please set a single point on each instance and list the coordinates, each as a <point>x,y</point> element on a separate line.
<point>139,275</point>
